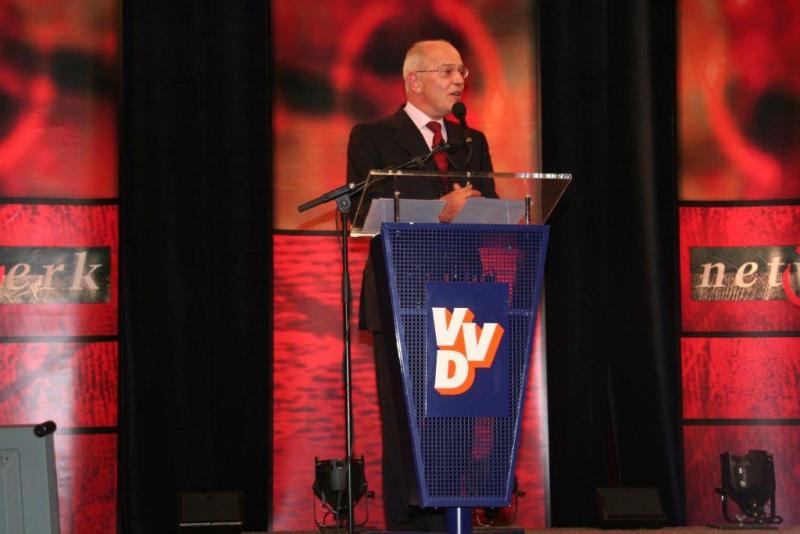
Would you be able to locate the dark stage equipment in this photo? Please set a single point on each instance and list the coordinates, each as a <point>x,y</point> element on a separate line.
<point>28,488</point>
<point>629,507</point>
<point>213,512</point>
<point>749,481</point>
<point>330,488</point>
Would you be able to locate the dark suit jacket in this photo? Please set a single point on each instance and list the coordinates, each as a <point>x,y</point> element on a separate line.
<point>395,139</point>
<point>391,141</point>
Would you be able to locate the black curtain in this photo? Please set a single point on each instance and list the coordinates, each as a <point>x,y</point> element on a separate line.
<point>608,108</point>
<point>196,256</point>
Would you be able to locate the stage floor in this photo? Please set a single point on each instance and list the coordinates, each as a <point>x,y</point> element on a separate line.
<point>666,530</point>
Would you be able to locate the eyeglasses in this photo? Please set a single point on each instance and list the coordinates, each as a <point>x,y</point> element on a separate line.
<point>445,71</point>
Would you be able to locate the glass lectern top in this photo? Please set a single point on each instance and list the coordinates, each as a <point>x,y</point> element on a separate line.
<point>416,196</point>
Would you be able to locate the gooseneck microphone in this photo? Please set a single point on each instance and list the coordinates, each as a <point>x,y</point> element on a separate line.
<point>460,112</point>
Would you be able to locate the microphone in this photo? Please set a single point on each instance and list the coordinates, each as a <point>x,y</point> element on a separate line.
<point>460,111</point>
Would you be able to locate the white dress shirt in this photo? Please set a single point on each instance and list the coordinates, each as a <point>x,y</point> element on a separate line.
<point>421,120</point>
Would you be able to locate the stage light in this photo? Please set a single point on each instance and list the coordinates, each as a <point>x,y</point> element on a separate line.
<point>749,481</point>
<point>330,487</point>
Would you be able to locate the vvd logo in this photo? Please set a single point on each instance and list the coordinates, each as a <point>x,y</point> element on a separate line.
<point>463,347</point>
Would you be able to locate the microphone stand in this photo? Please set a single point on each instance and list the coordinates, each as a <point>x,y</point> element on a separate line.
<point>344,202</point>
<point>343,196</point>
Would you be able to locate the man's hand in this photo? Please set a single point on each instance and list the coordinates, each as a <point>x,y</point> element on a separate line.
<point>455,200</point>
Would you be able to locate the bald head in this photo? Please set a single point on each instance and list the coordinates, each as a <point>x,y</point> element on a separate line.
<point>427,89</point>
<point>419,55</point>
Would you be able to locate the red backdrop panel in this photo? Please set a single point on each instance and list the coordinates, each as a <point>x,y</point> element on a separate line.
<point>738,141</point>
<point>308,390</point>
<point>59,75</point>
<point>338,62</point>
<point>30,225</point>
<point>704,444</point>
<point>757,226</point>
<point>58,88</point>
<point>741,378</point>
<point>86,467</point>
<point>73,384</point>
<point>739,100</point>
<point>308,395</point>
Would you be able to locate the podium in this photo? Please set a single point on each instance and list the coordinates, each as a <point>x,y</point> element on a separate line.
<point>464,300</point>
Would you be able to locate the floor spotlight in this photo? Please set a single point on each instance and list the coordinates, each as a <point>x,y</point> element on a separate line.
<point>330,488</point>
<point>749,481</point>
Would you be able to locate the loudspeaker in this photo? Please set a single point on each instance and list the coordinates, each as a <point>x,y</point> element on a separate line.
<point>630,508</point>
<point>214,513</point>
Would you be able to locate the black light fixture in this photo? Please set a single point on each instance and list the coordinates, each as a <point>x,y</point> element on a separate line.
<point>749,481</point>
<point>330,488</point>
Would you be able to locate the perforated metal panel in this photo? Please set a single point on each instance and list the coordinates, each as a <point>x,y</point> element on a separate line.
<point>463,461</point>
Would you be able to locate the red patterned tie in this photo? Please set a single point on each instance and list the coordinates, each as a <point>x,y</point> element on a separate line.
<point>440,157</point>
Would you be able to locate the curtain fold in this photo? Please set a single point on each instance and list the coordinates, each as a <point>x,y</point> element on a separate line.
<point>195,259</point>
<point>608,109</point>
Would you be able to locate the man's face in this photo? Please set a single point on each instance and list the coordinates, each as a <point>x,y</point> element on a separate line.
<point>435,94</point>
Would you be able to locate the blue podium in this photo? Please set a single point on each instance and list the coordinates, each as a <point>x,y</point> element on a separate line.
<point>464,414</point>
<point>464,301</point>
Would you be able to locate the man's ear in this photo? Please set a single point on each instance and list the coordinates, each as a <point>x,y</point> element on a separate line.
<point>413,82</point>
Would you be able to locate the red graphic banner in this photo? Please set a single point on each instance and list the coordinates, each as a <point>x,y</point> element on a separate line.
<point>73,384</point>
<point>58,92</point>
<point>739,100</point>
<point>86,468</point>
<point>37,225</point>
<point>59,82</point>
<point>756,226</point>
<point>741,378</point>
<point>340,62</point>
<point>739,106</point>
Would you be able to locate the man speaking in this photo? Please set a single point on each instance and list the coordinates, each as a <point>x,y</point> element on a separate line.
<point>434,77</point>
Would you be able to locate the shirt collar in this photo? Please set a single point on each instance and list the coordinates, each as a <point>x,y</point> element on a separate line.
<point>421,120</point>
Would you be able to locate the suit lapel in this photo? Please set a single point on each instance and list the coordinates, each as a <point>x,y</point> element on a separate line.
<point>409,137</point>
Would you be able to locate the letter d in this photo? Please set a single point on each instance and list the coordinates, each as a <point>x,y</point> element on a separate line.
<point>454,375</point>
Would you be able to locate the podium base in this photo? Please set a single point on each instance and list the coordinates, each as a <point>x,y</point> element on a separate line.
<point>458,520</point>
<point>476,530</point>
